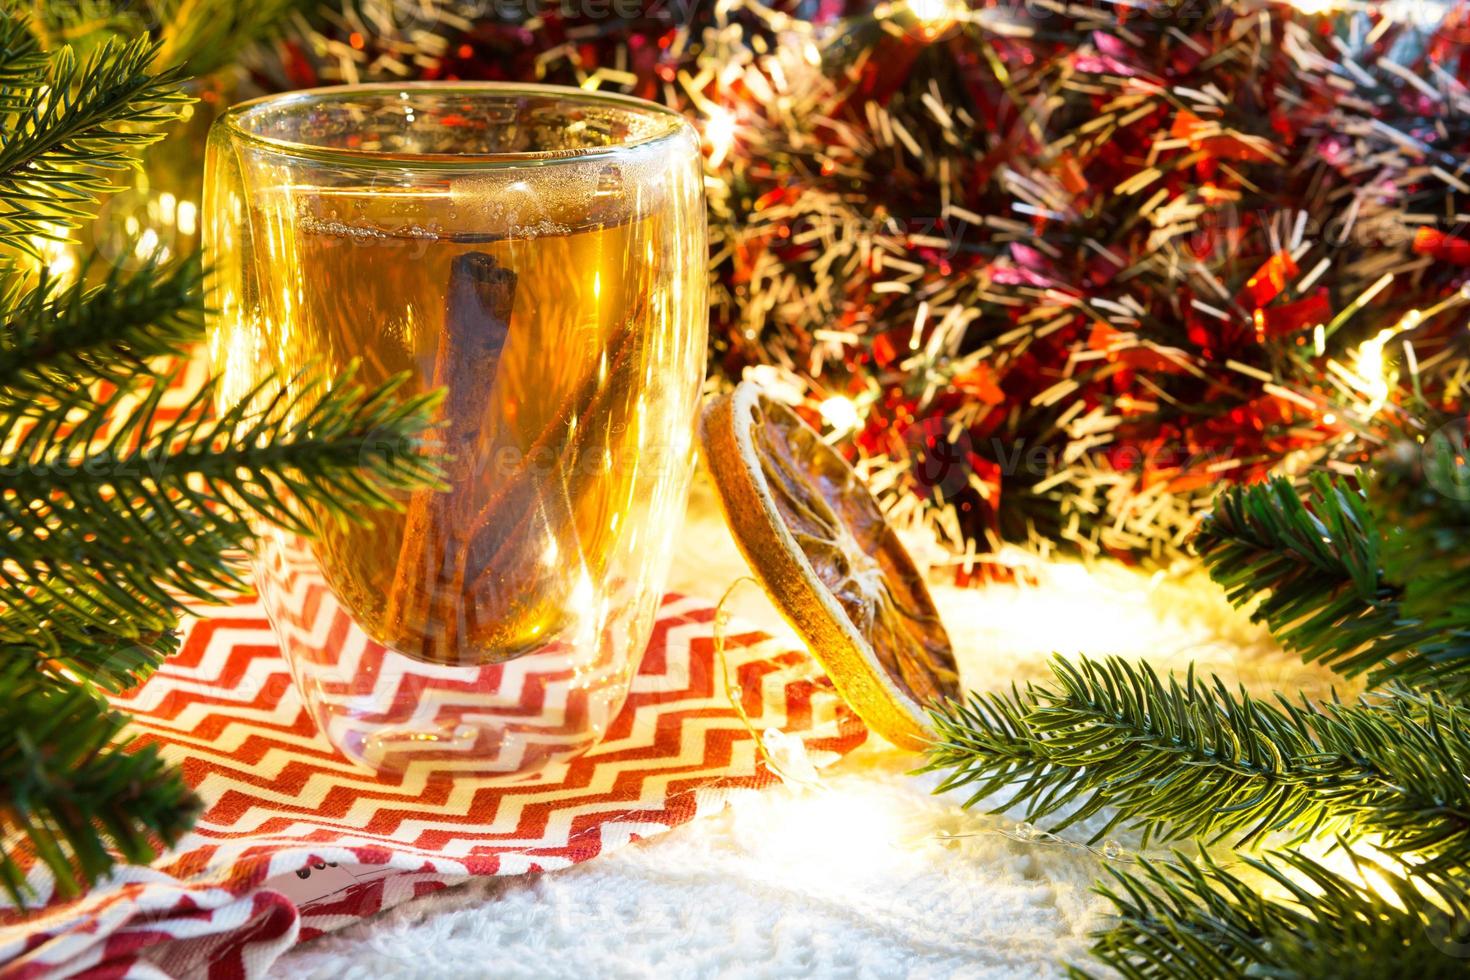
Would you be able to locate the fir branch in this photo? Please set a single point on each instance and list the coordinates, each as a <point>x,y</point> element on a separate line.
<point>71,791</point>
<point>79,22</point>
<point>199,36</point>
<point>56,341</point>
<point>63,138</point>
<point>1318,560</point>
<point>203,36</point>
<point>109,660</point>
<point>1181,920</point>
<point>1420,498</point>
<point>111,535</point>
<point>22,62</point>
<point>1315,565</point>
<point>1194,759</point>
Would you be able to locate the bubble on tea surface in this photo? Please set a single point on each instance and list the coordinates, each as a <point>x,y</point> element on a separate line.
<point>557,200</point>
<point>311,224</point>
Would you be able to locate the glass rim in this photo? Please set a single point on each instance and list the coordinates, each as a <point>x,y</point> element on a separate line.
<point>234,119</point>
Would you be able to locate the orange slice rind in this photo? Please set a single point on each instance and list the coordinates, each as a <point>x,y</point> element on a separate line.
<point>815,537</point>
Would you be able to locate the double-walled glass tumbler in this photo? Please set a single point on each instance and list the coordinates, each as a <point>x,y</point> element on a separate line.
<point>539,253</point>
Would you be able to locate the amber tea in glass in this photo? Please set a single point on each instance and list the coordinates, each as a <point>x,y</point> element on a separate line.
<point>538,254</point>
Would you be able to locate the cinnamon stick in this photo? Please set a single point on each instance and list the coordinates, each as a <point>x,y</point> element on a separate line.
<point>506,567</point>
<point>426,598</point>
<point>585,402</point>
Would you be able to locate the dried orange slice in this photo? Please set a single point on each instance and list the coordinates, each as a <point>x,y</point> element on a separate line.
<point>834,567</point>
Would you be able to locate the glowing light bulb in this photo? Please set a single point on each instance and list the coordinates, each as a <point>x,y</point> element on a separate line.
<point>1368,362</point>
<point>147,246</point>
<point>188,217</point>
<point>933,13</point>
<point>55,253</point>
<point>60,260</point>
<point>833,838</point>
<point>840,413</point>
<point>719,134</point>
<point>787,755</point>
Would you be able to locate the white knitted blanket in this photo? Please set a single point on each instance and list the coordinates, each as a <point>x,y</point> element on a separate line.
<point>866,875</point>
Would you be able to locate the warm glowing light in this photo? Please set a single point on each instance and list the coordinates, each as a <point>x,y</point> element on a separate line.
<point>188,218</point>
<point>1340,860</point>
<point>1316,6</point>
<point>832,837</point>
<point>933,12</point>
<point>57,257</point>
<point>62,265</point>
<point>787,755</point>
<point>719,134</point>
<point>1368,362</point>
<point>840,413</point>
<point>582,593</point>
<point>147,246</point>
<point>1102,609</point>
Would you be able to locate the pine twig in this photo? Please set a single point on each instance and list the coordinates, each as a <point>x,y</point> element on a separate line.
<point>1420,497</point>
<point>1315,561</point>
<point>71,790</point>
<point>1317,566</point>
<point>203,36</point>
<point>1194,759</point>
<point>1283,915</point>
<point>71,648</point>
<point>112,535</point>
<point>57,341</point>
<point>65,136</point>
<point>22,63</point>
<point>114,512</point>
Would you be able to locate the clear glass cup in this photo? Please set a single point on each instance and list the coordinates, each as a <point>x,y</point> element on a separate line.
<point>539,253</point>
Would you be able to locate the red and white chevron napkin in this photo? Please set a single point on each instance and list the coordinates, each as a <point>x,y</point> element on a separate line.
<point>296,841</point>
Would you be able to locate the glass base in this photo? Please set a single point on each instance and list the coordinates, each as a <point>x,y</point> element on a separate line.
<point>398,714</point>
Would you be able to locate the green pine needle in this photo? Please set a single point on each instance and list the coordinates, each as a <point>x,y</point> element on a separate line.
<point>77,796</point>
<point>203,36</point>
<point>1194,759</point>
<point>1420,496</point>
<point>22,62</point>
<point>62,139</point>
<point>66,652</point>
<point>57,341</point>
<point>1318,560</point>
<point>113,534</point>
<point>1315,564</point>
<point>115,512</point>
<point>1286,915</point>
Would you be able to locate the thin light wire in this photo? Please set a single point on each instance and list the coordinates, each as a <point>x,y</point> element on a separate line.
<point>1027,833</point>
<point>1023,832</point>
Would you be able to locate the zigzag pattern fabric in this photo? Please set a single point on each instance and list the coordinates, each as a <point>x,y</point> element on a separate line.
<point>296,841</point>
